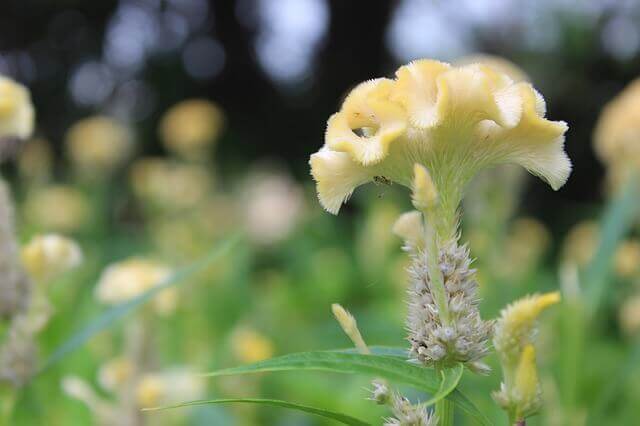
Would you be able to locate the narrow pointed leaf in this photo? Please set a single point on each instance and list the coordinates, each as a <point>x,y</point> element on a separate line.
<point>342,418</point>
<point>391,368</point>
<point>110,316</point>
<point>450,379</point>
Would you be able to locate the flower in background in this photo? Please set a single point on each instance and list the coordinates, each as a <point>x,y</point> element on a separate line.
<point>97,146</point>
<point>627,259</point>
<point>580,243</point>
<point>115,373</point>
<point>122,281</point>
<point>16,110</point>
<point>273,206</point>
<point>527,241</point>
<point>190,128</point>
<point>629,315</point>
<point>173,385</point>
<point>59,208</point>
<point>35,161</point>
<point>170,185</point>
<point>248,345</point>
<point>48,256</point>
<point>617,134</point>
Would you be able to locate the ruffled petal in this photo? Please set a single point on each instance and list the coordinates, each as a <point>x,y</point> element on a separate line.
<point>336,176</point>
<point>367,123</point>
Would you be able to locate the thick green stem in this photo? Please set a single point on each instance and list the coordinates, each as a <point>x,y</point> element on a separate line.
<point>444,412</point>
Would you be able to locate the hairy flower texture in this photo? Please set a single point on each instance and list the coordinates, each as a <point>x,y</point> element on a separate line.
<point>519,393</point>
<point>407,414</point>
<point>48,256</point>
<point>127,279</point>
<point>465,337</point>
<point>98,145</point>
<point>16,110</point>
<point>617,134</point>
<point>190,128</point>
<point>350,327</point>
<point>14,283</point>
<point>455,121</point>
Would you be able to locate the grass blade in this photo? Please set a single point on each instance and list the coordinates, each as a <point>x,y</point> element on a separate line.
<point>111,315</point>
<point>617,220</point>
<point>342,418</point>
<point>388,367</point>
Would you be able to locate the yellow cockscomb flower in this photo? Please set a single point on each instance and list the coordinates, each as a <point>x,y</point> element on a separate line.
<point>248,345</point>
<point>170,184</point>
<point>35,161</point>
<point>410,228</point>
<point>47,256</point>
<point>59,208</point>
<point>127,279</point>
<point>454,121</point>
<point>98,145</point>
<point>617,134</point>
<point>16,110</point>
<point>516,323</point>
<point>189,128</point>
<point>627,259</point>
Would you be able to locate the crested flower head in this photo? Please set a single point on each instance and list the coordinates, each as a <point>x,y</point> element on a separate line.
<point>455,121</point>
<point>499,64</point>
<point>16,110</point>
<point>98,145</point>
<point>48,256</point>
<point>190,127</point>
<point>617,134</point>
<point>127,279</point>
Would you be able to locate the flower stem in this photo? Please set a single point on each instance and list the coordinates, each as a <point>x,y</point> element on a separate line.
<point>433,263</point>
<point>444,412</point>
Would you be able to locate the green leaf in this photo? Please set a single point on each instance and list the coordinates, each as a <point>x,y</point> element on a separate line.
<point>450,379</point>
<point>110,316</point>
<point>388,367</point>
<point>391,351</point>
<point>618,219</point>
<point>342,418</point>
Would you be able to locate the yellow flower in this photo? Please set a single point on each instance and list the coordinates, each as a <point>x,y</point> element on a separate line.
<point>98,145</point>
<point>617,133</point>
<point>60,208</point>
<point>35,160</point>
<point>127,279</point>
<point>410,228</point>
<point>350,326</point>
<point>581,242</point>
<point>627,259</point>
<point>629,315</point>
<point>16,110</point>
<point>115,373</point>
<point>190,127</point>
<point>424,193</point>
<point>47,256</point>
<point>169,184</point>
<point>499,64</point>
<point>454,121</point>
<point>526,243</point>
<point>177,384</point>
<point>515,325</point>
<point>151,390</point>
<point>250,346</point>
<point>527,392</point>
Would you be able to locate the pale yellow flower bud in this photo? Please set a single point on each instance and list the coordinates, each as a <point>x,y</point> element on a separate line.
<point>516,323</point>
<point>16,110</point>
<point>250,346</point>
<point>127,279</point>
<point>350,327</point>
<point>190,128</point>
<point>48,256</point>
<point>410,228</point>
<point>97,146</point>
<point>526,383</point>
<point>59,208</point>
<point>455,121</point>
<point>424,192</point>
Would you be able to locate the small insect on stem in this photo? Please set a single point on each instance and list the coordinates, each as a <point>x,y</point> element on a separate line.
<point>381,180</point>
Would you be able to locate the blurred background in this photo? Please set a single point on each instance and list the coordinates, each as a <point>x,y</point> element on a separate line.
<point>272,72</point>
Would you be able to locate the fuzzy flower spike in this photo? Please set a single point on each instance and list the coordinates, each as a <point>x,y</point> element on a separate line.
<point>454,121</point>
